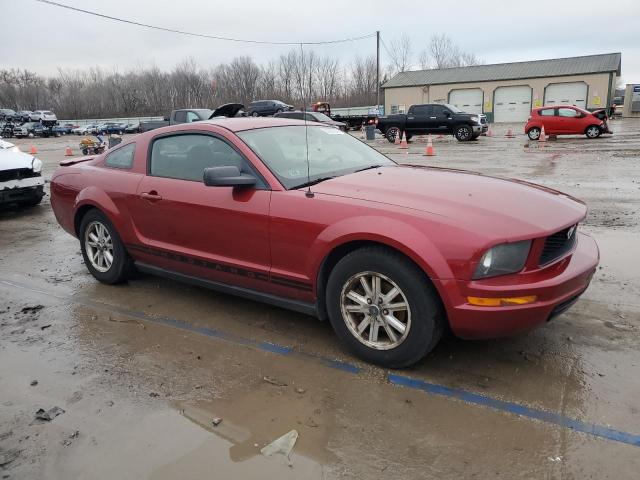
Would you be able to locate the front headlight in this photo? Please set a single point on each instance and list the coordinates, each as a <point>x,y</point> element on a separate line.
<point>36,165</point>
<point>475,119</point>
<point>503,259</point>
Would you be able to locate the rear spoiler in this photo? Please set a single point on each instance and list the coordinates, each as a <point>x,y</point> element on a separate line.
<point>73,161</point>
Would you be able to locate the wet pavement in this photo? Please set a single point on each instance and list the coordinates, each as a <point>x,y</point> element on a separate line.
<point>141,370</point>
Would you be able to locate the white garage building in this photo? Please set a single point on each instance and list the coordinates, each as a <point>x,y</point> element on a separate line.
<point>506,92</point>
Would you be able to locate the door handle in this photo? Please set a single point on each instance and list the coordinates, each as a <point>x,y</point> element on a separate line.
<point>151,196</point>
<point>433,117</point>
<point>410,118</point>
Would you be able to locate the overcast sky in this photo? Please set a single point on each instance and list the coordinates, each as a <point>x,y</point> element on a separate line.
<point>42,38</point>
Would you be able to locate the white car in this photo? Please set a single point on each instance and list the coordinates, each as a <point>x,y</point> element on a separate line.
<point>42,115</point>
<point>85,129</point>
<point>21,179</point>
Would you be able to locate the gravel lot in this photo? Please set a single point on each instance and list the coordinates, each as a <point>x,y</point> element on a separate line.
<point>141,370</point>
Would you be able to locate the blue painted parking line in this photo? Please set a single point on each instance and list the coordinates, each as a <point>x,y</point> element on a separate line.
<point>517,409</point>
<point>395,379</point>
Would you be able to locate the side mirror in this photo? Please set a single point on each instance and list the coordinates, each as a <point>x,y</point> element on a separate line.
<point>227,177</point>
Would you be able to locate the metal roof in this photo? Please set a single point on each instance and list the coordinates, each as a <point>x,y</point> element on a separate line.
<point>603,63</point>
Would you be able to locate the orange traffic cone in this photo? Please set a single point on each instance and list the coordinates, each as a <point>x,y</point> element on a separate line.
<point>362,136</point>
<point>68,152</point>
<point>429,150</point>
<point>489,132</point>
<point>543,136</point>
<point>403,142</point>
<point>397,140</point>
<point>33,150</point>
<point>509,133</point>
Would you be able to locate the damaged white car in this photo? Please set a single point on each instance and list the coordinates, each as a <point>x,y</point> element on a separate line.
<point>21,179</point>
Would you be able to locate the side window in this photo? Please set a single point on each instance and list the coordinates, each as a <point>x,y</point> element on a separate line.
<point>567,112</point>
<point>185,157</point>
<point>192,117</point>
<point>122,157</point>
<point>438,110</point>
<point>547,112</point>
<point>181,117</point>
<point>422,110</point>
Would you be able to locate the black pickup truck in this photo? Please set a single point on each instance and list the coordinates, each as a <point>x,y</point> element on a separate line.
<point>433,118</point>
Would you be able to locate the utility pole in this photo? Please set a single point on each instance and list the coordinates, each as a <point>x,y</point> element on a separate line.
<point>377,68</point>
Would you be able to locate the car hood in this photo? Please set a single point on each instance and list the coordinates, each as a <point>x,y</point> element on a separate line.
<point>493,207</point>
<point>227,110</point>
<point>10,159</point>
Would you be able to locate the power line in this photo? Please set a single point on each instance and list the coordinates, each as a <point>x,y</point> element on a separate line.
<point>201,35</point>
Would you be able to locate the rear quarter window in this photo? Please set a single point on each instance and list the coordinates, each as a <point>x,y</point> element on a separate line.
<point>122,157</point>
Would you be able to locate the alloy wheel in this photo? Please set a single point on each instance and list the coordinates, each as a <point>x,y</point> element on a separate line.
<point>375,310</point>
<point>99,246</point>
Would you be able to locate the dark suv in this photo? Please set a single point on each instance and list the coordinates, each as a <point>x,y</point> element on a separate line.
<point>262,108</point>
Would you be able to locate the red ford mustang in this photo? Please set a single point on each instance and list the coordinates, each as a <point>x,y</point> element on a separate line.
<point>312,219</point>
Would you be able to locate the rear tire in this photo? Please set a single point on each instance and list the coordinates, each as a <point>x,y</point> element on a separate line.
<point>463,133</point>
<point>534,133</point>
<point>254,114</point>
<point>391,134</point>
<point>99,248</point>
<point>423,318</point>
<point>593,131</point>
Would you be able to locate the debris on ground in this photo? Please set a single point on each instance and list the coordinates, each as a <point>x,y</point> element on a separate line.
<point>216,421</point>
<point>48,415</point>
<point>300,390</point>
<point>69,440</point>
<point>274,381</point>
<point>283,445</point>
<point>33,383</point>
<point>8,457</point>
<point>32,309</point>
<point>154,394</point>
<point>44,327</point>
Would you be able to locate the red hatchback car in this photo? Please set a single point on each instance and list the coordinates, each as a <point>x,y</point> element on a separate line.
<point>312,219</point>
<point>566,120</point>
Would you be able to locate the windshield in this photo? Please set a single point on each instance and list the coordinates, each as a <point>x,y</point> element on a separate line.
<point>332,153</point>
<point>453,108</point>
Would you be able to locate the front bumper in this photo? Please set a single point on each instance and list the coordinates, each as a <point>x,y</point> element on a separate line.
<point>21,194</point>
<point>557,287</point>
<point>480,128</point>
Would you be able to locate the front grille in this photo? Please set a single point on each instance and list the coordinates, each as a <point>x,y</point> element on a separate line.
<point>17,174</point>
<point>558,244</point>
<point>483,120</point>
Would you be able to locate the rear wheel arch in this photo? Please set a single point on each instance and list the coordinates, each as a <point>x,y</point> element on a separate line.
<point>340,251</point>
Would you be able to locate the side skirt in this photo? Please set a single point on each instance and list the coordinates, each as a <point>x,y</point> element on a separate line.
<point>295,305</point>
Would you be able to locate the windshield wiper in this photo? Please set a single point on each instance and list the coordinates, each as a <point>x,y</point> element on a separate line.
<point>313,182</point>
<point>370,167</point>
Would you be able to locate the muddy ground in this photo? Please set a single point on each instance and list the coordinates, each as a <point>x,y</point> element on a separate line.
<point>142,370</point>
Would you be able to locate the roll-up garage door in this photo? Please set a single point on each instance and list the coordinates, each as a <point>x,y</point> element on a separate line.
<point>574,93</point>
<point>467,99</point>
<point>512,104</point>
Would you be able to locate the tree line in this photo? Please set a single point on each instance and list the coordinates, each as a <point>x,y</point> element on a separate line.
<point>296,77</point>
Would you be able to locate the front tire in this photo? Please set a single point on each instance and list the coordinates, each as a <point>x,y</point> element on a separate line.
<point>384,307</point>
<point>103,251</point>
<point>463,133</point>
<point>254,114</point>
<point>593,131</point>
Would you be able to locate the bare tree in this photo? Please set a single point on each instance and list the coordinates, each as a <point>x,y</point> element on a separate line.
<point>401,52</point>
<point>443,53</point>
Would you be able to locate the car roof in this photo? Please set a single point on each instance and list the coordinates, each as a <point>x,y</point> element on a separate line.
<point>250,123</point>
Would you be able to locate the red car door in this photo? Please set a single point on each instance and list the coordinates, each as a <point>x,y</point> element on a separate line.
<point>568,120</point>
<point>548,118</point>
<point>219,233</point>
